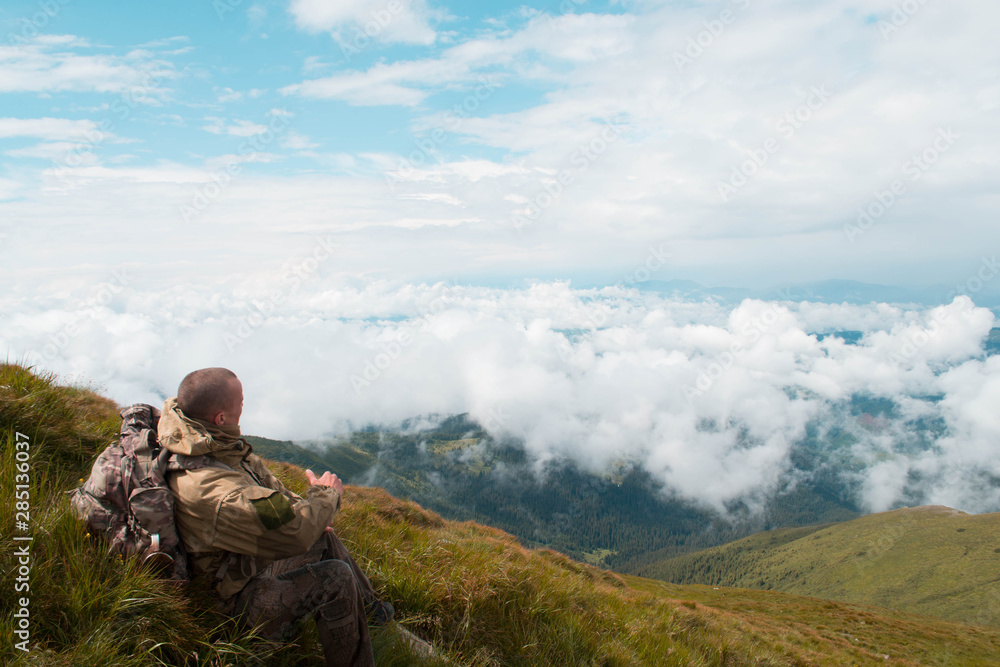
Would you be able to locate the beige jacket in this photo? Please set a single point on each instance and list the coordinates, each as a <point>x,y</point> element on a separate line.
<point>235,521</point>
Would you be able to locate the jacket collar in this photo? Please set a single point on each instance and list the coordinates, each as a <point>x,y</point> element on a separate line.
<point>185,435</point>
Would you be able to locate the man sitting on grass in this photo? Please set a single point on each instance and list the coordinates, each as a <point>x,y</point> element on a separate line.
<point>271,554</point>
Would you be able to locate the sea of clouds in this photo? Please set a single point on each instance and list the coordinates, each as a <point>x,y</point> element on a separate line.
<point>710,397</point>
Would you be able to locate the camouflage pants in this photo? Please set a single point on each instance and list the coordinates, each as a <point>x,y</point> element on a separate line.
<point>326,582</point>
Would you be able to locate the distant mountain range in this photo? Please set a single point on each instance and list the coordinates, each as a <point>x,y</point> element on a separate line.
<point>827,291</point>
<point>617,519</point>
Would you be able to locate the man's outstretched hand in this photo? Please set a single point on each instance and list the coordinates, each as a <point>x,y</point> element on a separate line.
<point>327,479</point>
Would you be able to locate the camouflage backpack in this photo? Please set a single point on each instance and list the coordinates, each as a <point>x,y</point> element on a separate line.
<point>127,500</point>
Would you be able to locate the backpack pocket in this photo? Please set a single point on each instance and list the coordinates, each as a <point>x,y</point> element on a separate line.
<point>153,508</point>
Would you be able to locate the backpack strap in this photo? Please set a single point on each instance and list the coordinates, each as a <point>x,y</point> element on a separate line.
<point>220,575</point>
<point>185,462</point>
<point>137,437</point>
<point>147,457</point>
<point>238,560</point>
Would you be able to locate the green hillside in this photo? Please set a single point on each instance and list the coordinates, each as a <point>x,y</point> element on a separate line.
<point>474,592</point>
<point>929,560</point>
<point>283,450</point>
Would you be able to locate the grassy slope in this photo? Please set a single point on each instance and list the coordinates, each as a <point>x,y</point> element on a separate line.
<point>479,596</point>
<point>930,560</point>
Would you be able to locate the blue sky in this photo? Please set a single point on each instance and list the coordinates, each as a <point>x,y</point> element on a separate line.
<point>231,61</point>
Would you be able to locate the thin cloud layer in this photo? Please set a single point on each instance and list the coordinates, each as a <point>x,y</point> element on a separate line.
<point>54,63</point>
<point>570,39</point>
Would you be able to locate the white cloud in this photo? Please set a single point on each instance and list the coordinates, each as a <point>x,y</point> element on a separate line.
<point>101,177</point>
<point>9,188</point>
<point>224,95</point>
<point>245,128</point>
<point>687,131</point>
<point>167,42</point>
<point>221,162</point>
<point>405,21</point>
<point>681,133</point>
<point>297,142</point>
<point>256,14</point>
<point>64,138</point>
<point>56,151</point>
<point>436,197</point>
<point>360,89</point>
<point>41,65</point>
<point>578,39</point>
<point>238,128</point>
<point>318,354</point>
<point>52,129</point>
<point>313,63</point>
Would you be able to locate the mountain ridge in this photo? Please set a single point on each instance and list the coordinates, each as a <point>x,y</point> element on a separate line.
<point>926,559</point>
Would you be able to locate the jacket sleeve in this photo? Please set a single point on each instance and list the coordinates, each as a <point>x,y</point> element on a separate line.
<point>261,521</point>
<point>270,480</point>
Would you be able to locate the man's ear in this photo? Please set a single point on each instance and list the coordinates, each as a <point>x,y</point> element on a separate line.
<point>220,419</point>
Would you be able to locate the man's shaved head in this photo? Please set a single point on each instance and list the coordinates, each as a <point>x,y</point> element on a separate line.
<point>205,393</point>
